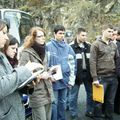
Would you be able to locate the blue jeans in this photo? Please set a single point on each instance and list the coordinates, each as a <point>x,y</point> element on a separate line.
<point>73,100</point>
<point>74,95</point>
<point>68,99</point>
<point>88,88</point>
<point>110,87</point>
<point>59,105</point>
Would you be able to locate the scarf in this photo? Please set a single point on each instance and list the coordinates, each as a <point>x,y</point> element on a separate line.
<point>40,49</point>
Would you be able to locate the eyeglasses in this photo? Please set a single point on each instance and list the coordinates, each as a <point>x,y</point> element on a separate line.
<point>40,36</point>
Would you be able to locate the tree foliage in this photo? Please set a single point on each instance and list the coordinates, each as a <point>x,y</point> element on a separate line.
<point>71,13</point>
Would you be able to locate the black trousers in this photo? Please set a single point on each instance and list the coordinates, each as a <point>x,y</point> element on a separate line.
<point>117,99</point>
<point>110,87</point>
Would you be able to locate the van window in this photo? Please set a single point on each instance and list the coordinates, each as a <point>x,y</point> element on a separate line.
<point>20,23</point>
<point>25,25</point>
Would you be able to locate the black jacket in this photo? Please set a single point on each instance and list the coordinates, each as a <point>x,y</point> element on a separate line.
<point>118,45</point>
<point>118,60</point>
<point>78,50</point>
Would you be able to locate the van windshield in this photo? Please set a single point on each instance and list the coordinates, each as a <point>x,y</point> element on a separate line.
<point>20,24</point>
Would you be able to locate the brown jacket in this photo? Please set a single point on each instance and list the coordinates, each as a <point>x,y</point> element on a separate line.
<point>43,90</point>
<point>102,59</point>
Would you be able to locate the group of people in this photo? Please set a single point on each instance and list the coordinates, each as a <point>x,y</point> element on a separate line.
<point>97,63</point>
<point>11,107</point>
<point>47,97</point>
<point>80,61</point>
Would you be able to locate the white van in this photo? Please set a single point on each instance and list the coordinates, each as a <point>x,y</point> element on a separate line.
<point>19,22</point>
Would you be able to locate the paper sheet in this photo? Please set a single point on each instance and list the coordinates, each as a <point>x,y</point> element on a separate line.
<point>57,75</point>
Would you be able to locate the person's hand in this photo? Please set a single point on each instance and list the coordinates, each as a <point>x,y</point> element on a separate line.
<point>32,66</point>
<point>35,81</point>
<point>44,75</point>
<point>70,86</point>
<point>96,83</point>
<point>51,78</point>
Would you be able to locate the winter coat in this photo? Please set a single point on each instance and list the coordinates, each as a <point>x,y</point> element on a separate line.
<point>60,53</point>
<point>11,107</point>
<point>43,90</point>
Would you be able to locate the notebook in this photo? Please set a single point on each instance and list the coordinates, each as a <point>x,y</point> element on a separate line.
<point>98,93</point>
<point>56,72</point>
<point>30,79</point>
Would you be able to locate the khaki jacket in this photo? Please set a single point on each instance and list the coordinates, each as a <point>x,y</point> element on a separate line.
<point>43,90</point>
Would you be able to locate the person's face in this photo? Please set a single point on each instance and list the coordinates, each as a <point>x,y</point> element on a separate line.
<point>3,37</point>
<point>108,33</point>
<point>59,35</point>
<point>82,37</point>
<point>114,37</point>
<point>40,37</point>
<point>118,37</point>
<point>12,50</point>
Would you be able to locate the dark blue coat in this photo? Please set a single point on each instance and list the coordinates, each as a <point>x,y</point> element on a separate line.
<point>60,53</point>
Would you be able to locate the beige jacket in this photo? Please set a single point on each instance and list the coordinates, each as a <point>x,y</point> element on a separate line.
<point>43,90</point>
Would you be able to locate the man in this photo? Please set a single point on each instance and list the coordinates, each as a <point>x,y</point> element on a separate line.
<point>60,53</point>
<point>82,50</point>
<point>103,70</point>
<point>114,36</point>
<point>117,96</point>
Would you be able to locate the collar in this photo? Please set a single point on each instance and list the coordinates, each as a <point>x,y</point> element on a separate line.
<point>105,42</point>
<point>114,41</point>
<point>78,46</point>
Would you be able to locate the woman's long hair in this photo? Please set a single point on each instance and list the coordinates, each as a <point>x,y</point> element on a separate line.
<point>12,41</point>
<point>30,39</point>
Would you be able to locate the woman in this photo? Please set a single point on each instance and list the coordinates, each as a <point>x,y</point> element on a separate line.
<point>11,107</point>
<point>10,50</point>
<point>34,51</point>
